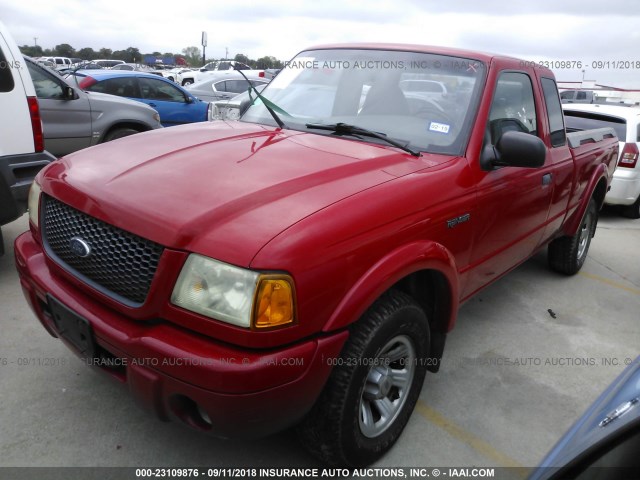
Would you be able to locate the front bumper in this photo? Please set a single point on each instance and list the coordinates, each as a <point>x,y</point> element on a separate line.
<point>179,374</point>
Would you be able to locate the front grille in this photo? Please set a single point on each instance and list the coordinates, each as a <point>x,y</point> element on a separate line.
<point>121,265</point>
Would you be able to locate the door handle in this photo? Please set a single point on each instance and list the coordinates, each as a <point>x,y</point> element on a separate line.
<point>152,105</point>
<point>546,178</point>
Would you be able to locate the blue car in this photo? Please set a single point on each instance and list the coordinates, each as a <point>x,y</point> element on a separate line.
<point>604,443</point>
<point>174,104</point>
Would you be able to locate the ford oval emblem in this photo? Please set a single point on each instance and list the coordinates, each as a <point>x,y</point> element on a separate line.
<point>80,247</point>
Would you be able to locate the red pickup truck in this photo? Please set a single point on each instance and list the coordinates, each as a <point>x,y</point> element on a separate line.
<point>304,265</point>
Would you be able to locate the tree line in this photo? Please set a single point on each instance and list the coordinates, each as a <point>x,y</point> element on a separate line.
<point>192,55</point>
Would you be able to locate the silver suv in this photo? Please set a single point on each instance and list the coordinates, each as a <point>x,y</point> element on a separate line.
<point>75,119</point>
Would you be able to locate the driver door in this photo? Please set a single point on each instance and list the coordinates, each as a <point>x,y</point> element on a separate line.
<point>513,202</point>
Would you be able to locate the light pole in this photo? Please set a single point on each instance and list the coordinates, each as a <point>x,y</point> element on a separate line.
<point>204,47</point>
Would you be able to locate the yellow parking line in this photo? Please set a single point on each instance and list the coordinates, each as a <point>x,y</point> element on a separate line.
<point>468,438</point>
<point>610,282</point>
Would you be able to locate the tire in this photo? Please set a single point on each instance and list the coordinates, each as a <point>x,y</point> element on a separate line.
<point>187,81</point>
<point>632,211</point>
<point>119,133</point>
<point>362,410</point>
<point>568,254</point>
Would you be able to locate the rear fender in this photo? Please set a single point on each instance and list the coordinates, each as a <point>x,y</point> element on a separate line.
<point>390,270</point>
<point>596,189</point>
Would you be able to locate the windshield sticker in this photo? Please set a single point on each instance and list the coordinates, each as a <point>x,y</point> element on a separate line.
<point>439,127</point>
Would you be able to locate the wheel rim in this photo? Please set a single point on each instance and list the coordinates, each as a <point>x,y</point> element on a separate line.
<point>387,386</point>
<point>585,234</point>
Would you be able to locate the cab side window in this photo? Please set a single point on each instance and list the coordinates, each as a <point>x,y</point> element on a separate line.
<point>513,106</point>
<point>554,111</point>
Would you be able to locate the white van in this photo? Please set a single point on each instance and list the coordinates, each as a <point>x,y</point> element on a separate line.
<point>22,152</point>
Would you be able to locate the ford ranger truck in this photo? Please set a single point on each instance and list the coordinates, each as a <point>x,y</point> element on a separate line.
<point>304,265</point>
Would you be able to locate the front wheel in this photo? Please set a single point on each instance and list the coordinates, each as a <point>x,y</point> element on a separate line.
<point>568,254</point>
<point>187,81</point>
<point>374,386</point>
<point>119,133</point>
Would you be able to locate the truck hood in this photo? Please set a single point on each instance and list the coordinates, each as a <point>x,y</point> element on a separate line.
<point>221,189</point>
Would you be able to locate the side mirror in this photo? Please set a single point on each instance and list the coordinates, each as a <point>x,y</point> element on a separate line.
<point>69,93</point>
<point>514,149</point>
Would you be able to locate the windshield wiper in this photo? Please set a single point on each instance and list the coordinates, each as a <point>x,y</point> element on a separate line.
<point>267,104</point>
<point>347,129</point>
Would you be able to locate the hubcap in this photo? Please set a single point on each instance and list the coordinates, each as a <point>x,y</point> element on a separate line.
<point>387,386</point>
<point>585,233</point>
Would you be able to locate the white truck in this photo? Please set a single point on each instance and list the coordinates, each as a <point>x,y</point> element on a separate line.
<point>217,67</point>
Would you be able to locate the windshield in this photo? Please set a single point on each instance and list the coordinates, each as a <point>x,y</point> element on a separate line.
<point>425,101</point>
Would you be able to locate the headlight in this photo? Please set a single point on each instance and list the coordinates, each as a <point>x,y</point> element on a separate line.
<point>33,203</point>
<point>234,295</point>
<point>232,113</point>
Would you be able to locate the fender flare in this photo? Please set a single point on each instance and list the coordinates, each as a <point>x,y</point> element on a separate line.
<point>119,123</point>
<point>389,270</point>
<point>593,190</point>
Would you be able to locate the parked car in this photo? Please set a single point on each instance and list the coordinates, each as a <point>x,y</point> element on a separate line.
<point>88,65</point>
<point>220,65</point>
<point>137,67</point>
<point>303,268</point>
<point>231,109</point>
<point>270,73</point>
<point>579,96</point>
<point>625,120</point>
<point>216,68</point>
<point>604,442</point>
<point>173,74</point>
<point>187,76</point>
<point>22,151</point>
<point>73,119</point>
<point>174,104</point>
<point>427,88</point>
<point>59,62</point>
<point>46,63</point>
<point>223,86</point>
<point>108,63</point>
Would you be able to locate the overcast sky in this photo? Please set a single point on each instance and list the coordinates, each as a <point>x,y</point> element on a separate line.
<point>541,30</point>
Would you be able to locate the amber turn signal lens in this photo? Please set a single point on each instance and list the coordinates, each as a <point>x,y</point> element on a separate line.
<point>274,304</point>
